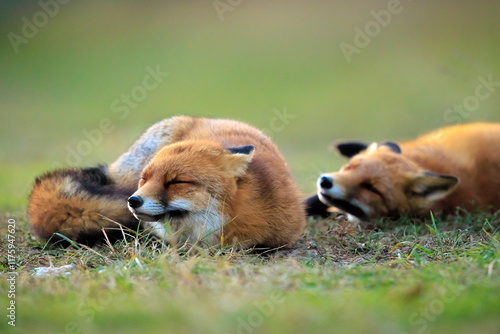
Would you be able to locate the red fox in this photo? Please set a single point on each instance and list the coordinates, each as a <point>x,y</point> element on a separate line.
<point>453,167</point>
<point>220,182</point>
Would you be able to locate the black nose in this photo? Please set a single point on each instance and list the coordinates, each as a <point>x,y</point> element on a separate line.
<point>326,182</point>
<point>135,201</point>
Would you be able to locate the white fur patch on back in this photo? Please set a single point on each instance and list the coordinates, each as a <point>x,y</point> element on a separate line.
<point>71,188</point>
<point>143,150</point>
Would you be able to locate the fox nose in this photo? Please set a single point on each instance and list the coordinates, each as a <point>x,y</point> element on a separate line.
<point>135,201</point>
<point>326,182</point>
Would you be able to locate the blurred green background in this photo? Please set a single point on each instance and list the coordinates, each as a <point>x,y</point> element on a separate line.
<point>244,62</point>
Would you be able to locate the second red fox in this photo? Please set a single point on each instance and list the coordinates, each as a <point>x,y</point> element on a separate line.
<point>453,167</point>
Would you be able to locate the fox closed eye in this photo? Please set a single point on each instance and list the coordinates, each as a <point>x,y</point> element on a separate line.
<point>178,182</point>
<point>368,186</point>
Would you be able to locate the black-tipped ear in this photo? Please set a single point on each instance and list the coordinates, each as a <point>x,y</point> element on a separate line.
<point>433,186</point>
<point>237,162</point>
<point>242,149</point>
<point>350,149</point>
<point>393,146</point>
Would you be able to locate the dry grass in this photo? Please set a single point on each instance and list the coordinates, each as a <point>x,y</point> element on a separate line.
<point>399,276</point>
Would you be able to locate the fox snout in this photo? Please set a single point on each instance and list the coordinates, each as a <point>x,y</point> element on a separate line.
<point>146,209</point>
<point>333,194</point>
<point>149,209</point>
<point>325,182</point>
<point>326,186</point>
<point>135,202</point>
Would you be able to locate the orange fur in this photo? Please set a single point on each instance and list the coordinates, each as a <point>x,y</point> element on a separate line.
<point>256,199</point>
<point>66,202</point>
<point>253,193</point>
<point>452,167</point>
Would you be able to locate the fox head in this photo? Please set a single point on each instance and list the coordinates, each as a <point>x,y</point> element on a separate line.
<point>188,183</point>
<point>379,181</point>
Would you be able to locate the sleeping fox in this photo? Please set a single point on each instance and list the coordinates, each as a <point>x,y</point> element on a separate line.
<point>220,182</point>
<point>453,167</point>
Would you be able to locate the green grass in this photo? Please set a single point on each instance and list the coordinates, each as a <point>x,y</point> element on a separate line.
<point>391,277</point>
<point>411,276</point>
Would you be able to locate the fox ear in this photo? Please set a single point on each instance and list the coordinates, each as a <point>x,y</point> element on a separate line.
<point>433,186</point>
<point>242,149</point>
<point>392,146</point>
<point>237,162</point>
<point>350,149</point>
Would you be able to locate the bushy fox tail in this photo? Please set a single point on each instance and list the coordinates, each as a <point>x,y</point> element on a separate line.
<point>79,204</point>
